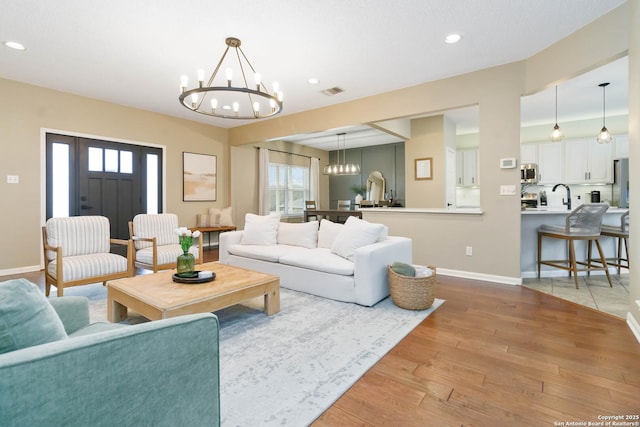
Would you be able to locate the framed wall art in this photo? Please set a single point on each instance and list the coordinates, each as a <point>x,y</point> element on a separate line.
<point>423,168</point>
<point>198,177</point>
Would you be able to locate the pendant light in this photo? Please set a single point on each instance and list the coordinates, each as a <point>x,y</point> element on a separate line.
<point>556,133</point>
<point>342,168</point>
<point>604,136</point>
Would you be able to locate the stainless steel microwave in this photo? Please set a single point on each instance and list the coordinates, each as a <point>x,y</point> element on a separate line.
<point>529,173</point>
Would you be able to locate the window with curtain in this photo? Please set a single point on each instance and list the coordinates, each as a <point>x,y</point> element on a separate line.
<point>288,188</point>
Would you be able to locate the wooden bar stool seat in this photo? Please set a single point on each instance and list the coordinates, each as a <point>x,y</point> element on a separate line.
<point>583,223</point>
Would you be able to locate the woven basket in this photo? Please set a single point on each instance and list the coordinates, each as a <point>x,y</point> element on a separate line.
<point>412,293</point>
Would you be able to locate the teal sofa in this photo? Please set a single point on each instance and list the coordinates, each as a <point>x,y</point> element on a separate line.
<point>162,373</point>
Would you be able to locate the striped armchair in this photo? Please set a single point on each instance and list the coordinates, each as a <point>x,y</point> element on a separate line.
<point>156,244</point>
<point>77,252</point>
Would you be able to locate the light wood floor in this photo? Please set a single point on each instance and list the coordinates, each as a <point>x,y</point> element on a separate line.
<point>499,355</point>
<point>496,355</point>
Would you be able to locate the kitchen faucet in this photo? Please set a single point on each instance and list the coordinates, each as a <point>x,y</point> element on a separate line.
<point>568,202</point>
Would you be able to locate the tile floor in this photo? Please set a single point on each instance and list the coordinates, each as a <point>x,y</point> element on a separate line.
<point>593,291</point>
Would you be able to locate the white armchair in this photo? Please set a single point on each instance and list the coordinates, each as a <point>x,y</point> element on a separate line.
<point>77,252</point>
<point>156,244</point>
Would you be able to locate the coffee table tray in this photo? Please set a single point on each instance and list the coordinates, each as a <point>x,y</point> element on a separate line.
<point>194,279</point>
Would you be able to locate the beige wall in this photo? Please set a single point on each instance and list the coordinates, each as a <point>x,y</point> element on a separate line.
<point>25,110</point>
<point>495,236</point>
<point>427,140</point>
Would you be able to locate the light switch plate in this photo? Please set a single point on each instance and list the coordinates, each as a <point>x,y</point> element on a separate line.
<point>507,190</point>
<point>13,179</point>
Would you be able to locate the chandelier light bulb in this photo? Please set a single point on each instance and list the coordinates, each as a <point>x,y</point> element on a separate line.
<point>184,82</point>
<point>214,104</point>
<point>258,80</point>
<point>194,100</point>
<point>256,107</point>
<point>200,77</point>
<point>229,74</point>
<point>236,107</point>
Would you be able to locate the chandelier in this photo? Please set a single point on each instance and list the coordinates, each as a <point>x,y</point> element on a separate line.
<point>604,136</point>
<point>229,99</point>
<point>342,168</point>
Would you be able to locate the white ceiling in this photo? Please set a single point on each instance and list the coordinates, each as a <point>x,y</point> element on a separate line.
<point>133,52</point>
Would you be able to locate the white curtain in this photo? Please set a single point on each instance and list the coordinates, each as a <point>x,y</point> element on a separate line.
<point>263,182</point>
<point>314,181</point>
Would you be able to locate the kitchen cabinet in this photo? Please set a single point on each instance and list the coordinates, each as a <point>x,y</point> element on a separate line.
<point>467,168</point>
<point>588,162</point>
<point>550,162</point>
<point>528,153</point>
<point>621,147</point>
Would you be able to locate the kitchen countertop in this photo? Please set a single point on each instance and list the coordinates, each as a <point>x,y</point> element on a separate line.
<point>464,211</point>
<point>553,210</point>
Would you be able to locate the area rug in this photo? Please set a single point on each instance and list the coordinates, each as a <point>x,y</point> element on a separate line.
<point>287,369</point>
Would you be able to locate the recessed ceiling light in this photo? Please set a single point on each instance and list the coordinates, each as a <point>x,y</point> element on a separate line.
<point>313,81</point>
<point>453,38</point>
<point>15,45</point>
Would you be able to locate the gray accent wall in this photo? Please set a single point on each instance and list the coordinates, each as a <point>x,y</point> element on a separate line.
<point>388,159</point>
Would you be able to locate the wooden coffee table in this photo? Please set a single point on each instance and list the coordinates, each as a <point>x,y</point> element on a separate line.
<point>156,296</point>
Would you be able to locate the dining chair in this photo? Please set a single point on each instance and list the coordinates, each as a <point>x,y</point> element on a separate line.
<point>310,205</point>
<point>344,205</point>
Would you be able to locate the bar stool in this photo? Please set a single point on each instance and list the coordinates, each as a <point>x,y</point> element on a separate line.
<point>621,233</point>
<point>583,223</point>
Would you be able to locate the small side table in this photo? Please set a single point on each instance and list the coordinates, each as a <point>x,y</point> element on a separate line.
<point>218,229</point>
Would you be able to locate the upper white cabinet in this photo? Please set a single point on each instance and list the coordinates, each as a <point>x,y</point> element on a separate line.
<point>528,153</point>
<point>621,147</point>
<point>588,162</point>
<point>550,162</point>
<point>467,168</point>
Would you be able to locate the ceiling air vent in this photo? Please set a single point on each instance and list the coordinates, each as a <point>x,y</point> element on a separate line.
<point>332,91</point>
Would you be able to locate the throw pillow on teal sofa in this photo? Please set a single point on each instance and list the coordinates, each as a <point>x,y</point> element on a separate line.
<point>26,317</point>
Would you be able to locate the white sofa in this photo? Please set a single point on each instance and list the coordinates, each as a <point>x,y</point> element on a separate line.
<point>341,262</point>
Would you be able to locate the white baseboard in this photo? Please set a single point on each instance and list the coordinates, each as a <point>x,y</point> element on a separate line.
<point>505,280</point>
<point>634,326</point>
<point>20,270</point>
<point>563,273</point>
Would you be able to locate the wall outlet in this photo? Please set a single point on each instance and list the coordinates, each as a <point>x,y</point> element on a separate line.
<point>469,251</point>
<point>13,179</point>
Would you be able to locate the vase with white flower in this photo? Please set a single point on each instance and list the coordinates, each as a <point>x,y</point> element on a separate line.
<point>186,261</point>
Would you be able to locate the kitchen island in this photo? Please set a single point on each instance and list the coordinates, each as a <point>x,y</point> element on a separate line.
<point>532,219</point>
